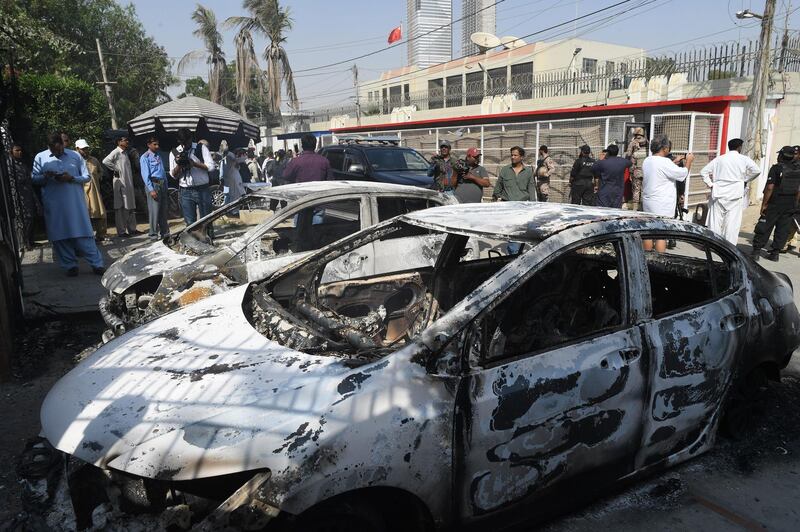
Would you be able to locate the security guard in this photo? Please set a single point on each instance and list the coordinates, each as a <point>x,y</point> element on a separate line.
<point>581,178</point>
<point>781,199</point>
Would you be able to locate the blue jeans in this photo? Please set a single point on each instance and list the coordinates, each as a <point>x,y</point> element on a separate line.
<point>195,199</point>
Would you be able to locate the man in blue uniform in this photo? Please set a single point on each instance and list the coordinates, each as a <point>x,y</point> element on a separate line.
<point>61,173</point>
<point>609,174</point>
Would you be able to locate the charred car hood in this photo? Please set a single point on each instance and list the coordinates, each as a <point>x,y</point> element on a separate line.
<point>196,394</point>
<point>140,264</point>
<point>413,178</point>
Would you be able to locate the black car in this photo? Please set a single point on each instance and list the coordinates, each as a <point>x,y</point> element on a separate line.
<point>378,159</point>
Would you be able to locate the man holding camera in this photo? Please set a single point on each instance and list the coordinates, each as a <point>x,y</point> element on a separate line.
<point>124,198</point>
<point>473,178</point>
<point>190,163</point>
<point>441,170</point>
<point>62,173</point>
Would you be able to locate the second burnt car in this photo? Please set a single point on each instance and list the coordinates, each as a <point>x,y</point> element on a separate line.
<point>457,387</point>
<point>246,240</point>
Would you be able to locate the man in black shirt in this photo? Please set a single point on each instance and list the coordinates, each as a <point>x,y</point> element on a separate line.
<point>581,178</point>
<point>779,205</point>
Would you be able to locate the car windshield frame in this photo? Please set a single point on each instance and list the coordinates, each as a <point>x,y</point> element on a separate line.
<point>374,151</point>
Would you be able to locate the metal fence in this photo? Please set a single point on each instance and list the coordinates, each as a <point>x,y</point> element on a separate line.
<point>716,62</point>
<point>563,138</point>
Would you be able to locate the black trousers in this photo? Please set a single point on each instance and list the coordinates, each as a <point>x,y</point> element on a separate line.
<point>780,217</point>
<point>582,193</point>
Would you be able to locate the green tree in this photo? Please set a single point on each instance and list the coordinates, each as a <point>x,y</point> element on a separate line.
<point>207,30</point>
<point>58,37</point>
<point>59,103</point>
<point>267,18</point>
<point>196,86</point>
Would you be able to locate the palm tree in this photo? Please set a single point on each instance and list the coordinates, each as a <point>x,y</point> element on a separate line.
<point>268,19</point>
<point>212,39</point>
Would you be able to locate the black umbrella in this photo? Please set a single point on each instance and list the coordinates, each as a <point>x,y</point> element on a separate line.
<point>205,119</point>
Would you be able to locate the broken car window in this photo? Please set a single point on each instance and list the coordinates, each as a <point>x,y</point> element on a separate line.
<point>680,277</point>
<point>313,227</point>
<point>579,294</point>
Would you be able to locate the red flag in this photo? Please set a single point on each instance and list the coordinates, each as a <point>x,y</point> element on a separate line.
<point>395,35</point>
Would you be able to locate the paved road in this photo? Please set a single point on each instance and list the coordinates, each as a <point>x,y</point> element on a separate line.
<point>752,484</point>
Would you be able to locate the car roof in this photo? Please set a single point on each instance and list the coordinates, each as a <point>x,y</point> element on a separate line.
<point>369,147</point>
<point>295,191</point>
<point>523,220</point>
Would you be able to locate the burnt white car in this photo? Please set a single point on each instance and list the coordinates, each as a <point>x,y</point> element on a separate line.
<point>454,388</point>
<point>246,241</point>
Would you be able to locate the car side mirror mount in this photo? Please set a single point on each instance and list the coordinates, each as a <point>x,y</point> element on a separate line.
<point>356,169</point>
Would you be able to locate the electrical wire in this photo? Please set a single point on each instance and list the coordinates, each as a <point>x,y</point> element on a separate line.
<point>374,52</point>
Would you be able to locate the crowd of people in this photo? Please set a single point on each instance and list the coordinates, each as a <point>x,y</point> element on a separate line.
<point>70,197</point>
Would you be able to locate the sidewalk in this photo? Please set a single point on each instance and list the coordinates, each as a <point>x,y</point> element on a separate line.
<point>47,291</point>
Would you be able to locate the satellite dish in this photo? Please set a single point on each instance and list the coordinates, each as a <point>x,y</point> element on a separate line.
<point>484,41</point>
<point>510,42</point>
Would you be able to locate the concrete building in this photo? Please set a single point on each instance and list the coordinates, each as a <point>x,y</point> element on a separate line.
<point>504,73</point>
<point>479,15</point>
<point>424,16</point>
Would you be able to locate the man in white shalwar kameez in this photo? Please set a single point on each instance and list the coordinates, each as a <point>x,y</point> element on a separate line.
<point>124,199</point>
<point>727,176</point>
<point>659,176</point>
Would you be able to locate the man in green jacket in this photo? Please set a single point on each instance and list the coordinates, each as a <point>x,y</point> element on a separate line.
<point>515,182</point>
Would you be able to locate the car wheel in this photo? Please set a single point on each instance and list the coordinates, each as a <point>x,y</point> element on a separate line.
<point>217,197</point>
<point>740,414</point>
<point>343,516</point>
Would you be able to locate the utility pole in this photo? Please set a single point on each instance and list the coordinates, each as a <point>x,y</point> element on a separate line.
<point>107,84</point>
<point>761,78</point>
<point>358,102</point>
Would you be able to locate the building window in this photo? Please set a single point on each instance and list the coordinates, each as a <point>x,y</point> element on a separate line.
<point>395,96</point>
<point>435,93</point>
<point>385,98</point>
<point>474,88</point>
<point>454,91</point>
<point>611,66</point>
<point>589,66</point>
<point>406,94</point>
<point>497,81</point>
<point>522,80</point>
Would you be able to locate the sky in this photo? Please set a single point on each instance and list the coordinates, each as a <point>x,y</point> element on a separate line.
<point>326,31</point>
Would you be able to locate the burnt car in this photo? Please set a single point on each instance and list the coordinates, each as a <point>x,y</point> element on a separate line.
<point>245,241</point>
<point>463,386</point>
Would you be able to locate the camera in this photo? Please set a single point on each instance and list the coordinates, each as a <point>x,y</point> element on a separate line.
<point>460,167</point>
<point>182,159</point>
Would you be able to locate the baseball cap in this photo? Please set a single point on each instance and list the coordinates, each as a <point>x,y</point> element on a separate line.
<point>473,152</point>
<point>445,143</point>
<point>786,151</point>
<point>81,143</point>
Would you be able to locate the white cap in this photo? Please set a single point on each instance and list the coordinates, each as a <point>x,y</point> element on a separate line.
<point>81,143</point>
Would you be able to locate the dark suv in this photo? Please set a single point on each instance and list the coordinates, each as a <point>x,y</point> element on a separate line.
<point>378,160</point>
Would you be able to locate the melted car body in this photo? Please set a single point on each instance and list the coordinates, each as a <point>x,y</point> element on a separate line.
<point>246,241</point>
<point>467,382</point>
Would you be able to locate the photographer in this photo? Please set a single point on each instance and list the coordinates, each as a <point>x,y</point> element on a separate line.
<point>441,170</point>
<point>190,163</point>
<point>472,178</point>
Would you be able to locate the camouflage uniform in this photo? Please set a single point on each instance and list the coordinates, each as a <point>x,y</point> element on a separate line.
<point>637,153</point>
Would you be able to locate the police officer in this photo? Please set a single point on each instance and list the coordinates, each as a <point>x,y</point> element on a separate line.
<point>781,199</point>
<point>581,178</point>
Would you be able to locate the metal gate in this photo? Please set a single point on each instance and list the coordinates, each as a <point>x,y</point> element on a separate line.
<point>691,132</point>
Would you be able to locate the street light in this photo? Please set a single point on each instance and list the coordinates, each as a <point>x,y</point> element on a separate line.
<point>748,14</point>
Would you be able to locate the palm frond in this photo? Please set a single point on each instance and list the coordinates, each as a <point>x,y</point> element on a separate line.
<point>288,77</point>
<point>189,58</point>
<point>246,66</point>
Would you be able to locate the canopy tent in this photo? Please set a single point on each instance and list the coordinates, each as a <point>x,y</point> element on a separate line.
<point>205,119</point>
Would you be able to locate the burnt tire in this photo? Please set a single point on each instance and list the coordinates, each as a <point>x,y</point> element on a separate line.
<point>742,409</point>
<point>348,515</point>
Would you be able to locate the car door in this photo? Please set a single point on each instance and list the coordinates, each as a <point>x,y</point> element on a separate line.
<point>355,167</point>
<point>696,334</point>
<point>309,227</point>
<point>335,157</point>
<point>556,385</point>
